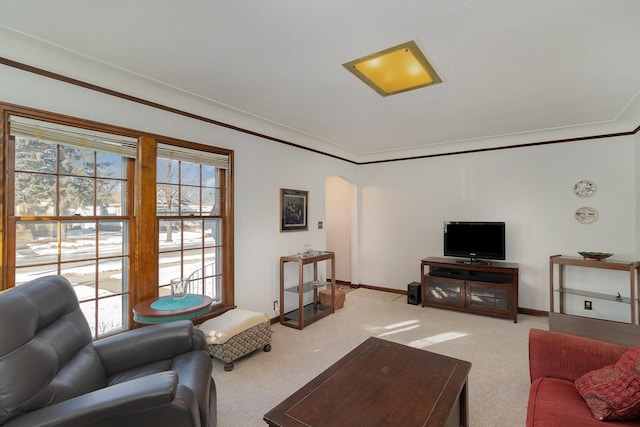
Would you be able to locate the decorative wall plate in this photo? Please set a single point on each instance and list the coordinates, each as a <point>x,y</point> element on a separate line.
<point>585,188</point>
<point>586,215</point>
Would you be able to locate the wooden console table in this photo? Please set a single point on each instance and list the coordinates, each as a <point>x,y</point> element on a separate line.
<point>306,314</point>
<point>489,289</point>
<point>631,268</point>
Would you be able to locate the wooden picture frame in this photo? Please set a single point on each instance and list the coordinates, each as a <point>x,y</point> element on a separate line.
<point>294,209</point>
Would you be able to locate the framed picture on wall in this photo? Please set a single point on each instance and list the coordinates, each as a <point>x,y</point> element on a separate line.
<point>294,206</point>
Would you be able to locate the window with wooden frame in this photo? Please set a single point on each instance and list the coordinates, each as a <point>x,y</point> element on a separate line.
<point>190,194</point>
<point>70,215</point>
<point>70,195</point>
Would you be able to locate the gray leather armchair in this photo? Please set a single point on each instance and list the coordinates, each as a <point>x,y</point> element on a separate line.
<point>52,374</point>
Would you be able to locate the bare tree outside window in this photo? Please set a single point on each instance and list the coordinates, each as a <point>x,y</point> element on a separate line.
<point>63,198</point>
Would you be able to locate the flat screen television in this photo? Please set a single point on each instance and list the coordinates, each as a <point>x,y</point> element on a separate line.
<point>475,240</point>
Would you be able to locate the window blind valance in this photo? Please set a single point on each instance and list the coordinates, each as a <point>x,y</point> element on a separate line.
<point>208,158</point>
<point>76,137</point>
<point>110,143</point>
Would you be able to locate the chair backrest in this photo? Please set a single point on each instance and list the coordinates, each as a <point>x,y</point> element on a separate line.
<point>46,350</point>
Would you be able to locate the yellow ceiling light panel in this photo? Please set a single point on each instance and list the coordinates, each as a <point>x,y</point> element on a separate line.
<point>395,70</point>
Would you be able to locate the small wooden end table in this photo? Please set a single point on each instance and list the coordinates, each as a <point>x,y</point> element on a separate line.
<point>167,309</point>
<point>381,383</point>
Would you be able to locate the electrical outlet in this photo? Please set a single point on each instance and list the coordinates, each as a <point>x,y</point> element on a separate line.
<point>276,306</point>
<point>587,305</point>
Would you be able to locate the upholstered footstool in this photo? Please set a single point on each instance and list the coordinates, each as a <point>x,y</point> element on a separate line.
<point>236,333</point>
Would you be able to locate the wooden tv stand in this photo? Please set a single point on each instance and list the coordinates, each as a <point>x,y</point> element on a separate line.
<point>480,288</point>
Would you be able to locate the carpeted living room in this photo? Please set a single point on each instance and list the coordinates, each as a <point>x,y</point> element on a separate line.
<point>180,180</point>
<point>497,349</point>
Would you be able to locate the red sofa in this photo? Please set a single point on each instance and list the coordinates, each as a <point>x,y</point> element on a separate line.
<point>556,360</point>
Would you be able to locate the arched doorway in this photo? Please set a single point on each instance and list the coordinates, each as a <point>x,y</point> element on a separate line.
<point>339,215</point>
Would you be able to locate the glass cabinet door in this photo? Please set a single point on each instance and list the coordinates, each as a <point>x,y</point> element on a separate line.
<point>445,291</point>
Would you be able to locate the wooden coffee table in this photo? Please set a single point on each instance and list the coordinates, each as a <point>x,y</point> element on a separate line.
<point>381,383</point>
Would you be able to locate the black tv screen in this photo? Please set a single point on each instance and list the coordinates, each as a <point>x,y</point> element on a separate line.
<point>474,240</point>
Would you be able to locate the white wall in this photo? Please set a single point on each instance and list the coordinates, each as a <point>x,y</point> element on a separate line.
<point>400,206</point>
<point>261,169</point>
<point>405,203</point>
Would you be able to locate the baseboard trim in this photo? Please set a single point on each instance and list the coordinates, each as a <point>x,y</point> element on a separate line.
<point>521,310</point>
<point>344,283</point>
<point>380,288</point>
<point>532,312</point>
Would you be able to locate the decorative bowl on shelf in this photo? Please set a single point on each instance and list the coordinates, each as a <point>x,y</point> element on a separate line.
<point>598,256</point>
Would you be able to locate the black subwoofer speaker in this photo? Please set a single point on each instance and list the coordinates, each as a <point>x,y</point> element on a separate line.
<point>413,293</point>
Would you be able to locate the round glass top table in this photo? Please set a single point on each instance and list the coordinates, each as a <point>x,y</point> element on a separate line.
<point>167,309</point>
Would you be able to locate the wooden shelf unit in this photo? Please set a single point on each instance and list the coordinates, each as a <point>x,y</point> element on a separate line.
<point>631,267</point>
<point>488,289</point>
<point>304,315</point>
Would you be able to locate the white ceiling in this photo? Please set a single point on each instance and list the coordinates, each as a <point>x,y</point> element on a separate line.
<point>513,71</point>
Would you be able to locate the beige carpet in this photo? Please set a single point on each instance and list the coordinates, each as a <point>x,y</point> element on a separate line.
<point>497,348</point>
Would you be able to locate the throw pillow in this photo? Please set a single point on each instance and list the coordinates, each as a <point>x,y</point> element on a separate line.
<point>613,392</point>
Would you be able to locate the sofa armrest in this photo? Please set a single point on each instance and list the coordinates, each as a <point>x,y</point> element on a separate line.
<point>200,340</point>
<point>146,345</point>
<point>558,355</point>
<point>110,405</point>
